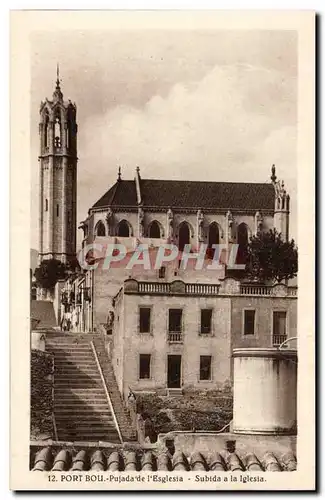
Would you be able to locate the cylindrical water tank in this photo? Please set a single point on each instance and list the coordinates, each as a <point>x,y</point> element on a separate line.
<point>265,391</point>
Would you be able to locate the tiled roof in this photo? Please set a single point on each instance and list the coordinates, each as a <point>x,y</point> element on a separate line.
<point>191,194</point>
<point>66,458</point>
<point>43,311</point>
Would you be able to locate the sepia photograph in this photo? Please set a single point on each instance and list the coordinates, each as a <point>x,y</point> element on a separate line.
<point>164,250</point>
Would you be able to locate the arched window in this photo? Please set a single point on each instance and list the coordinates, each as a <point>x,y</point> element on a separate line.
<point>213,235</point>
<point>100,229</point>
<point>242,241</point>
<point>183,235</point>
<point>46,205</point>
<point>154,230</point>
<point>123,229</point>
<point>46,126</point>
<point>57,132</point>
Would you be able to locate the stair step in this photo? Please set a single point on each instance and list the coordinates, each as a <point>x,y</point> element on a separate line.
<point>85,395</point>
<point>106,438</point>
<point>76,376</point>
<point>81,409</point>
<point>90,419</point>
<point>68,345</point>
<point>71,349</point>
<point>62,384</point>
<point>68,355</point>
<point>86,429</point>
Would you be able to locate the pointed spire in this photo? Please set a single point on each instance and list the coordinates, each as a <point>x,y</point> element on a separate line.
<point>273,176</point>
<point>57,94</point>
<point>57,75</point>
<point>119,175</point>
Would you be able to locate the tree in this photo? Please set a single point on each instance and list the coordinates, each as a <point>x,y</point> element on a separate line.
<point>270,258</point>
<point>49,272</point>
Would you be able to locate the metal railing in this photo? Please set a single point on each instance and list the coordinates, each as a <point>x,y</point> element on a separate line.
<point>278,340</point>
<point>175,337</point>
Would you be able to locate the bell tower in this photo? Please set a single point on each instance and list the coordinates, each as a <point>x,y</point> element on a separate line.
<point>58,177</point>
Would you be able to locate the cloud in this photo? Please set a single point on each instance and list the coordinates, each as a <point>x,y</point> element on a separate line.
<point>231,125</point>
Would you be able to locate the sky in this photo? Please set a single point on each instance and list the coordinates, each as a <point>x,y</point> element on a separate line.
<point>196,105</point>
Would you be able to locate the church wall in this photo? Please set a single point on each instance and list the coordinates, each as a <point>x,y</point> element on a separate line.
<point>179,217</point>
<point>57,219</point>
<point>45,213</point>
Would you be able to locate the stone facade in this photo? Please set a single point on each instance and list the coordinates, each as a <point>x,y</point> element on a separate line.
<point>227,302</point>
<point>58,178</point>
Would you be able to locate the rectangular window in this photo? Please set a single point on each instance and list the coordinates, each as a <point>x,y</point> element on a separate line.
<point>57,210</point>
<point>205,367</point>
<point>162,272</point>
<point>46,205</point>
<point>144,363</point>
<point>249,322</point>
<point>175,320</point>
<point>279,322</point>
<point>145,313</point>
<point>206,320</point>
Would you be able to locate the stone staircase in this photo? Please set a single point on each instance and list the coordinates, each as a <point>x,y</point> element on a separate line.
<point>81,407</point>
<point>122,415</point>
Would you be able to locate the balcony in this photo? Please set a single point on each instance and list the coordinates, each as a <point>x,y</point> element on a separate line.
<point>259,290</point>
<point>278,340</point>
<point>175,337</point>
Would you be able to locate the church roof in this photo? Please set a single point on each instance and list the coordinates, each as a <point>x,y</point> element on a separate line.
<point>190,194</point>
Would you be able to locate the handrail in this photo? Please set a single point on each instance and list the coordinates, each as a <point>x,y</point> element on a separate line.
<point>106,392</point>
<point>286,341</point>
<point>54,427</point>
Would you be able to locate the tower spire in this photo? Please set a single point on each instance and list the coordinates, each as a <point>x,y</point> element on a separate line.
<point>57,75</point>
<point>57,94</point>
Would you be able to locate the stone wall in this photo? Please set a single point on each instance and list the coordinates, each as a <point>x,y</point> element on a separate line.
<point>209,410</point>
<point>217,344</point>
<point>42,384</point>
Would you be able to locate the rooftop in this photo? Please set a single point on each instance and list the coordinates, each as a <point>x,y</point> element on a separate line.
<point>103,457</point>
<point>190,194</point>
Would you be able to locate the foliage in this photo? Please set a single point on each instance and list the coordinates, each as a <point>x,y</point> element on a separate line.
<point>49,272</point>
<point>270,258</point>
<point>210,410</point>
<point>41,394</point>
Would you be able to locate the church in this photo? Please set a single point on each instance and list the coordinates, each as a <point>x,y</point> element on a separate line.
<point>168,328</point>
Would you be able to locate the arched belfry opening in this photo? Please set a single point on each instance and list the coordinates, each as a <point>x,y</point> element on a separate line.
<point>46,129</point>
<point>57,131</point>
<point>123,229</point>
<point>183,235</point>
<point>154,230</point>
<point>242,241</point>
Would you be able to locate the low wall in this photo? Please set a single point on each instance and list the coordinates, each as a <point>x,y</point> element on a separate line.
<point>210,442</point>
<point>38,340</point>
<point>42,387</point>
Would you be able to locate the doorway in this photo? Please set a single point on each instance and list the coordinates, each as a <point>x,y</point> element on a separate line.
<point>174,371</point>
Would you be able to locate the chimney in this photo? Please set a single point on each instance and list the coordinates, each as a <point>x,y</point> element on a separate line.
<point>265,391</point>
